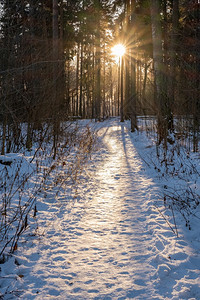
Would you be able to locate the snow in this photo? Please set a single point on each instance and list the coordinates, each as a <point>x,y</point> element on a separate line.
<point>111,237</point>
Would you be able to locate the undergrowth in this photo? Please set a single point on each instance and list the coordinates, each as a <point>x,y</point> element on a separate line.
<point>177,168</point>
<point>26,175</point>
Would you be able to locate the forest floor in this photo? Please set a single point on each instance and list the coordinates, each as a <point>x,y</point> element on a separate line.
<point>108,239</point>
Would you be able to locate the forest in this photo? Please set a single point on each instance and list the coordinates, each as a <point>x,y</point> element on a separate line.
<point>80,81</point>
<point>57,63</point>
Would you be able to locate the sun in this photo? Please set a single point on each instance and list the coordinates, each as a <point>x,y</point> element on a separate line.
<point>118,50</point>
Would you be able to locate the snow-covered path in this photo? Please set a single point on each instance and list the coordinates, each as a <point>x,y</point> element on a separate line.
<point>111,243</point>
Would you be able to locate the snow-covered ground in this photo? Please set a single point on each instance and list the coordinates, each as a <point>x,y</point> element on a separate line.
<point>111,238</point>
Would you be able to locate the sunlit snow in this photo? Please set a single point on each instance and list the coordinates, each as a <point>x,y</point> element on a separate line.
<point>107,240</point>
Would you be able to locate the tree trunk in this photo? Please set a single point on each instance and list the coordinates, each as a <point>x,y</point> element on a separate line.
<point>104,82</point>
<point>93,83</point>
<point>127,62</point>
<point>55,73</point>
<point>122,89</point>
<point>133,95</point>
<point>158,69</point>
<point>98,80</point>
<point>173,50</point>
<point>77,78</point>
<point>98,65</point>
<point>196,113</point>
<point>81,82</point>
<point>118,88</point>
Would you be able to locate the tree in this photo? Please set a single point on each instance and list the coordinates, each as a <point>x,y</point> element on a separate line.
<point>173,58</point>
<point>158,70</point>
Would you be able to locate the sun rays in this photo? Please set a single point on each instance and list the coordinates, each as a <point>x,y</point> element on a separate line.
<point>118,50</point>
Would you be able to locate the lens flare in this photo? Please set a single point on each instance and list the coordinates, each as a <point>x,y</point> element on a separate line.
<point>118,50</point>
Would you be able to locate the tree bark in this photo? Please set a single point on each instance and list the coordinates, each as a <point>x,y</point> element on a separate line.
<point>98,63</point>
<point>81,82</point>
<point>173,50</point>
<point>133,95</point>
<point>158,69</point>
<point>55,73</point>
<point>122,89</point>
<point>77,78</point>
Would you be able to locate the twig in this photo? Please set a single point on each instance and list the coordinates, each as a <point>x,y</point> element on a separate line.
<point>165,220</point>
<point>174,220</point>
